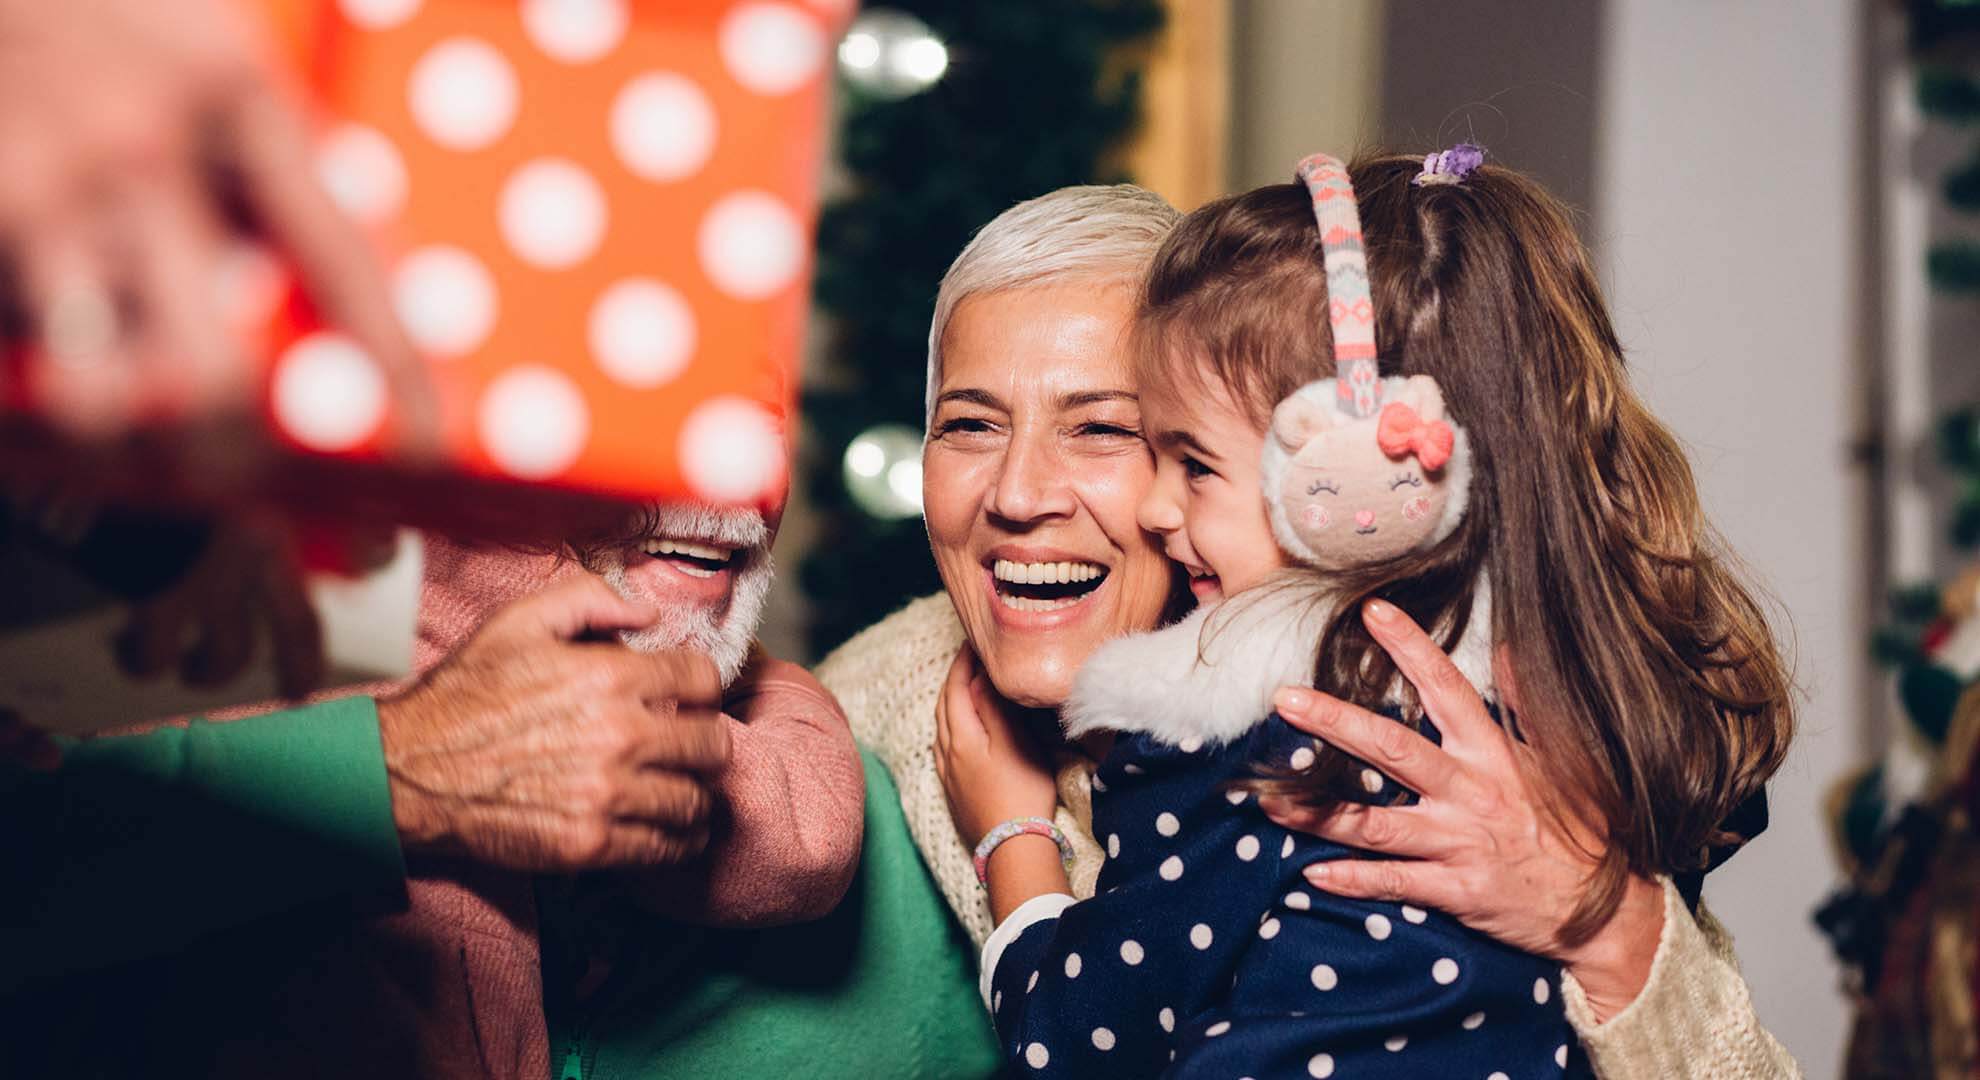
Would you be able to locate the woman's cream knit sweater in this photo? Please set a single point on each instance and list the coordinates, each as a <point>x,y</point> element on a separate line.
<point>1693,1018</point>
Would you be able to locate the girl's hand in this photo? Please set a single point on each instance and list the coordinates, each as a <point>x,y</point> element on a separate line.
<point>1479,844</point>
<point>991,769</point>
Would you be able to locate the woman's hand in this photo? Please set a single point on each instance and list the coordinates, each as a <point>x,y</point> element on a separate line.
<point>1479,844</point>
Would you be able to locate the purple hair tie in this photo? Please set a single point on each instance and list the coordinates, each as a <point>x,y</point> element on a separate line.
<point>1450,166</point>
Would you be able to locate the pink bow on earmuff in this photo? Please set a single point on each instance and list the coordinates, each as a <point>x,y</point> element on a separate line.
<point>1402,431</point>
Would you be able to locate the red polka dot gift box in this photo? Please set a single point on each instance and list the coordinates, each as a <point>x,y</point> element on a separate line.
<point>597,215</point>
<point>595,219</point>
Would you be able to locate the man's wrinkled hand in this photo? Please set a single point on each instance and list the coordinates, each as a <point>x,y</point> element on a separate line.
<point>539,748</point>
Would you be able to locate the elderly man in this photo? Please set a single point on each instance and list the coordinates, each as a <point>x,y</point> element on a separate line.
<point>533,744</point>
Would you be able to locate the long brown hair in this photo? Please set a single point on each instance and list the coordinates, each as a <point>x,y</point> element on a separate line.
<point>1656,701</point>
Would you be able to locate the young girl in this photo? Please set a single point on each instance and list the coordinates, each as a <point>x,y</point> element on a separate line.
<point>1205,952</point>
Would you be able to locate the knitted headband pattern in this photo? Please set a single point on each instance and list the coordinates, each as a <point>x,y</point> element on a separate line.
<point>1350,306</point>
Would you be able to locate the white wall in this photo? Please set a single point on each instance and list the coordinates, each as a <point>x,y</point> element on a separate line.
<point>1725,191</point>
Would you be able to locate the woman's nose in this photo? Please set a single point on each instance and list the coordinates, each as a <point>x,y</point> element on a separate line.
<point>1364,518</point>
<point>1032,484</point>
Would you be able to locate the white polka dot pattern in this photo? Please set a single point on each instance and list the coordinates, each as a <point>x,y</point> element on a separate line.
<point>445,299</point>
<point>1172,868</point>
<point>751,245</point>
<point>642,333</point>
<point>1103,1039</point>
<point>1218,1028</point>
<point>363,173</point>
<point>575,31</point>
<point>533,422</point>
<point>1167,825</point>
<point>1320,1066</point>
<point>1445,971</point>
<point>1325,977</point>
<point>1037,1056</point>
<point>1541,991</point>
<point>552,213</point>
<point>1132,952</point>
<point>1072,965</point>
<point>663,127</point>
<point>771,48</point>
<point>731,450</point>
<point>327,393</point>
<point>1201,936</point>
<point>1247,847</point>
<point>463,94</point>
<point>1378,927</point>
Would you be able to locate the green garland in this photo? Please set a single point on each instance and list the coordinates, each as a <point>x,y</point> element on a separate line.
<point>1034,99</point>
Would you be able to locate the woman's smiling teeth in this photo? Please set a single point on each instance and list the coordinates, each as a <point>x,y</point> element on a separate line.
<point>690,558</point>
<point>1045,573</point>
<point>1045,586</point>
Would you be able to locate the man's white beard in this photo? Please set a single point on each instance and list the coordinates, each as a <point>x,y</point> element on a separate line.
<point>725,635</point>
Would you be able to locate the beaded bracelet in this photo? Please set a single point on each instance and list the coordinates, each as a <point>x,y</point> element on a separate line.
<point>1033,826</point>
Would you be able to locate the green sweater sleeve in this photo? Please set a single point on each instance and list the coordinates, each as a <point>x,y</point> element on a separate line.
<point>139,844</point>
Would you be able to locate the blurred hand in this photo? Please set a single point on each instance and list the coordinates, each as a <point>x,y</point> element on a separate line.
<point>139,142</point>
<point>532,749</point>
<point>991,769</point>
<point>205,626</point>
<point>1479,844</point>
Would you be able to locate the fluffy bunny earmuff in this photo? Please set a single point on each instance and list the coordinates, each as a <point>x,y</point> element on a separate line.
<point>1357,468</point>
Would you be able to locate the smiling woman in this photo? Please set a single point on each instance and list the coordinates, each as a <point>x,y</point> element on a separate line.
<point>1033,467</point>
<point>1033,464</point>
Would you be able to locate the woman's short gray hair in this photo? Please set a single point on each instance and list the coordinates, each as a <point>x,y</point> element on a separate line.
<point>1085,231</point>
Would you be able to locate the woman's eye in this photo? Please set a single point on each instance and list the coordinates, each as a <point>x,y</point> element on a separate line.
<point>1411,479</point>
<point>1110,431</point>
<point>1327,486</point>
<point>962,425</point>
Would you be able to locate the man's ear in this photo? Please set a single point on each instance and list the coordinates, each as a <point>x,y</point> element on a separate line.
<point>1299,418</point>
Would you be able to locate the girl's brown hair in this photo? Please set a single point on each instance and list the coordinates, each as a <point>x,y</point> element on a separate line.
<point>1655,699</point>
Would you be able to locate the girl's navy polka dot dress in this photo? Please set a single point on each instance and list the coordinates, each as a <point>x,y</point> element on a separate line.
<point>1206,954</point>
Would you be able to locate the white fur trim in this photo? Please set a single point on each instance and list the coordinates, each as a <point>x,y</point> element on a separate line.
<point>1211,677</point>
